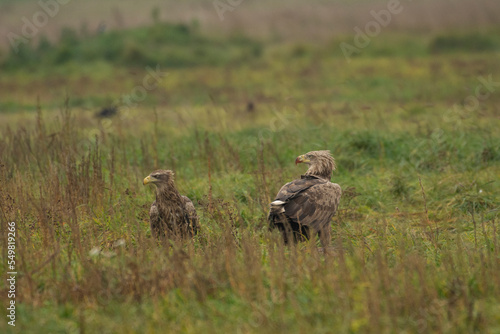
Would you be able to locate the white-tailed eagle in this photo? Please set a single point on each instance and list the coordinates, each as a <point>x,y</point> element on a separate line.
<point>171,215</point>
<point>304,207</point>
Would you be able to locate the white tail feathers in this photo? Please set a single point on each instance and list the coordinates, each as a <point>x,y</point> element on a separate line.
<point>277,206</point>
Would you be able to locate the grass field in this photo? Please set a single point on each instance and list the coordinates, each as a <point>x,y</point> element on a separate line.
<point>413,128</point>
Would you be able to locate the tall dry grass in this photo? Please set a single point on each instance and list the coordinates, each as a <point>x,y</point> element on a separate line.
<point>83,240</point>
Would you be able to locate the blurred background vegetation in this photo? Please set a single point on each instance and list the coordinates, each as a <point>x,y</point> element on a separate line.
<point>111,43</point>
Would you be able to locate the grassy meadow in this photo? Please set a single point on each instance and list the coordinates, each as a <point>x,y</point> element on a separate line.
<point>416,239</point>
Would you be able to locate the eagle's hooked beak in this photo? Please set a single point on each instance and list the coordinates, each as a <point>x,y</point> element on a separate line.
<point>148,179</point>
<point>300,159</point>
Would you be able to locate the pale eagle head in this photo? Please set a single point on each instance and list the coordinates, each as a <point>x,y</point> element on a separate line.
<point>321,163</point>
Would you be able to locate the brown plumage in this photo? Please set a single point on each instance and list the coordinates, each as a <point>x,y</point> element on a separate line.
<point>306,206</point>
<point>171,214</point>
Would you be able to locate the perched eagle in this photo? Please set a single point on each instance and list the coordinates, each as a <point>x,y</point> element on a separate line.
<point>171,214</point>
<point>305,207</point>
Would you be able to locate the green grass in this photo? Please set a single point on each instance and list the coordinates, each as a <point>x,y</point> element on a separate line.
<point>416,236</point>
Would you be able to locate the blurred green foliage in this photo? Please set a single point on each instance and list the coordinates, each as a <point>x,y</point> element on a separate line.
<point>168,45</point>
<point>470,42</point>
<point>185,45</point>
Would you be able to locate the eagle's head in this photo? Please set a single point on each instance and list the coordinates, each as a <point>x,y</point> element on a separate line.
<point>321,163</point>
<point>160,177</point>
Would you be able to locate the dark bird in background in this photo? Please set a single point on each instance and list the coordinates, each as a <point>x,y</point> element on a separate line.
<point>305,207</point>
<point>250,106</point>
<point>106,112</point>
<point>171,214</point>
